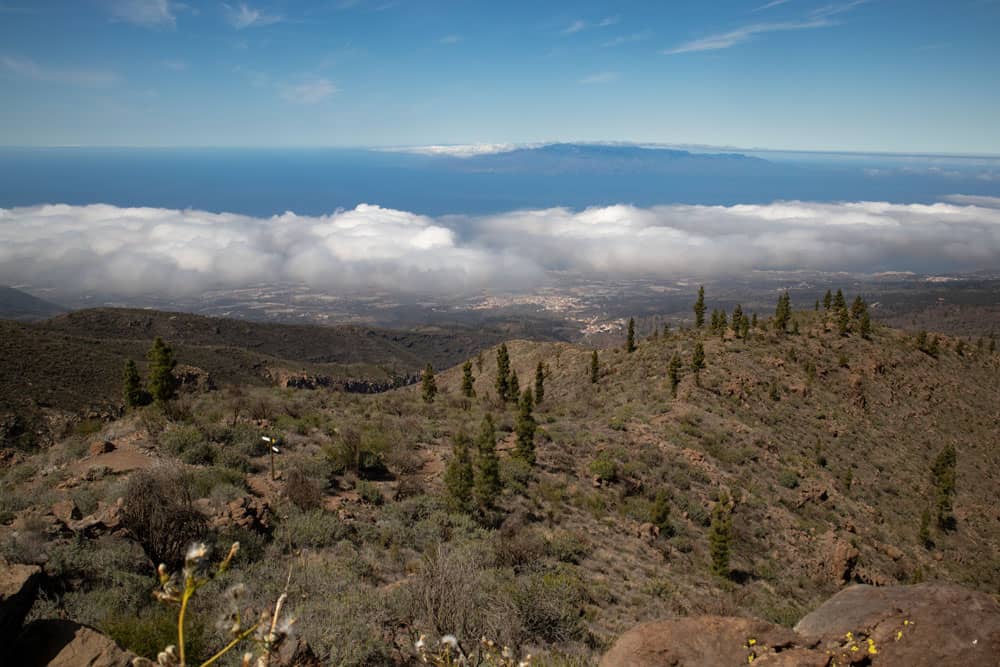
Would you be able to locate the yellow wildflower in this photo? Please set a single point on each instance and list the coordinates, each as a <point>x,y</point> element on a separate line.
<point>899,635</point>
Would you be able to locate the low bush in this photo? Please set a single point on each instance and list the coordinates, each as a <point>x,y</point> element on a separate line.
<point>158,511</point>
<point>316,529</point>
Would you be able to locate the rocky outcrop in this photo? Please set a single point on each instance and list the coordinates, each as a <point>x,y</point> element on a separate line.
<point>917,626</point>
<point>928,625</point>
<point>18,587</point>
<point>248,513</point>
<point>711,640</point>
<point>60,643</point>
<point>192,378</point>
<point>107,518</point>
<point>298,379</point>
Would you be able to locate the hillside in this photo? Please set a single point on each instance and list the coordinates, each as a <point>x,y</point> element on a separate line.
<point>18,305</point>
<point>74,361</point>
<point>824,444</point>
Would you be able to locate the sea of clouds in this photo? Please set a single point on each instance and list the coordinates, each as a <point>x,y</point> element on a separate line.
<point>133,251</point>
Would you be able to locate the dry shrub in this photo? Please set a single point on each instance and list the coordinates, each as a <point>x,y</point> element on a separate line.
<point>159,513</point>
<point>304,492</point>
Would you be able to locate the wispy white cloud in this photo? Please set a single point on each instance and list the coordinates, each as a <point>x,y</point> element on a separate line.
<point>770,5</point>
<point>600,77</point>
<point>627,39</point>
<point>450,39</point>
<point>309,92</point>
<point>175,65</point>
<point>146,13</point>
<point>725,40</point>
<point>834,9</point>
<point>114,250</point>
<point>820,17</point>
<point>580,25</point>
<point>26,68</point>
<point>242,16</point>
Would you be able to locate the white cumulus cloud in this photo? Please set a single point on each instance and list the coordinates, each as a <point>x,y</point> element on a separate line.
<point>132,251</point>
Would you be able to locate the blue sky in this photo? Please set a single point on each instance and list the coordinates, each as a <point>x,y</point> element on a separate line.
<point>875,75</point>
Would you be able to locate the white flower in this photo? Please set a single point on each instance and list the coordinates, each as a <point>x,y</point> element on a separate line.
<point>196,552</point>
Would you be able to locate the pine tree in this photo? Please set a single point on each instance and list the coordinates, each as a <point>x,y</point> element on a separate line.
<point>513,387</point>
<point>428,384</point>
<point>486,484</point>
<point>827,300</point>
<point>782,312</point>
<point>857,308</point>
<point>698,360</point>
<point>674,372</point>
<point>753,321</point>
<point>723,322</point>
<point>843,320</point>
<point>133,392</point>
<point>162,384</point>
<point>666,329</point>
<point>595,368</point>
<point>525,429</point>
<point>838,300</point>
<point>866,325</point>
<point>795,327</point>
<point>468,390</point>
<point>924,534</point>
<point>459,478</point>
<point>659,514</point>
<point>720,537</point>
<point>816,307</point>
<point>738,320</point>
<point>745,328</point>
<point>943,474</point>
<point>503,373</point>
<point>539,382</point>
<point>630,338</point>
<point>699,308</point>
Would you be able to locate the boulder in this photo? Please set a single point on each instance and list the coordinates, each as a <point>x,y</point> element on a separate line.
<point>61,643</point>
<point>295,652</point>
<point>916,626</point>
<point>18,587</point>
<point>66,511</point>
<point>107,518</point>
<point>711,640</point>
<point>101,447</point>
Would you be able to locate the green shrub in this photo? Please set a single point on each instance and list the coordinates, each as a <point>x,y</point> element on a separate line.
<point>569,546</point>
<point>204,480</point>
<point>515,474</point>
<point>604,469</point>
<point>181,438</point>
<point>88,427</point>
<point>549,605</point>
<point>369,492</point>
<point>788,478</point>
<point>315,529</point>
<point>146,634</point>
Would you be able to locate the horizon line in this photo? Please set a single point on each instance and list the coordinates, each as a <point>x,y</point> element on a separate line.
<point>652,145</point>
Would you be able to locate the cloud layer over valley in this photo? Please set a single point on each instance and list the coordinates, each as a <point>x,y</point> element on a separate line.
<point>132,251</point>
